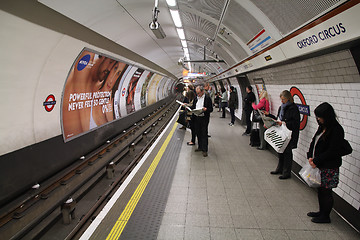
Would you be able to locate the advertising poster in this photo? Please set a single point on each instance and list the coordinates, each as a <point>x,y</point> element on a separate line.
<point>144,90</point>
<point>137,97</point>
<point>130,93</point>
<point>161,89</point>
<point>89,93</point>
<point>151,96</point>
<point>121,92</point>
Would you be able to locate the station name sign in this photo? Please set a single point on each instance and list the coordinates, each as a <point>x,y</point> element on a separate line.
<point>322,35</point>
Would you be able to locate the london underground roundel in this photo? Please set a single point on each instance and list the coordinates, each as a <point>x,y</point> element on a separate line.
<point>303,108</point>
<point>49,103</point>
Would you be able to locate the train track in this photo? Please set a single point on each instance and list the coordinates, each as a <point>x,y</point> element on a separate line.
<point>64,205</point>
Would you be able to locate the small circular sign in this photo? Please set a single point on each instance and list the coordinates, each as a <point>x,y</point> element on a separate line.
<point>49,103</point>
<point>304,109</point>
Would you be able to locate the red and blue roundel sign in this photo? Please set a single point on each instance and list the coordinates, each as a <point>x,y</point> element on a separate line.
<point>303,108</point>
<point>49,103</point>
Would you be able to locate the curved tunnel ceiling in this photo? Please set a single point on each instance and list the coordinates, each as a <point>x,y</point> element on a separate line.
<point>236,22</point>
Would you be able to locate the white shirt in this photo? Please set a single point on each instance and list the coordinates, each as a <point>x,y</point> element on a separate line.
<point>200,102</point>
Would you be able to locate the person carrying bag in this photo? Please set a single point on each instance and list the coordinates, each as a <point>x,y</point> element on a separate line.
<point>289,114</point>
<point>326,149</point>
<point>262,106</point>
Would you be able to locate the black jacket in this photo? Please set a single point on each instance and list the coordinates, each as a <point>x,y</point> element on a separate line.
<point>248,100</point>
<point>292,120</point>
<point>207,103</point>
<point>233,101</point>
<point>327,148</point>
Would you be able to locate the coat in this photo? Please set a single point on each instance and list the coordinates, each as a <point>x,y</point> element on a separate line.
<point>292,121</point>
<point>327,149</point>
<point>233,101</point>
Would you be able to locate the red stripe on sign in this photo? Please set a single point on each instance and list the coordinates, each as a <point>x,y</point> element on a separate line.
<point>261,32</point>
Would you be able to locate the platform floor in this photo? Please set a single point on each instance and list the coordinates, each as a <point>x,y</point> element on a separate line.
<point>228,195</point>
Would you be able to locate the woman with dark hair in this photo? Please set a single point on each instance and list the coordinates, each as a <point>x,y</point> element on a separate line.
<point>289,114</point>
<point>324,153</point>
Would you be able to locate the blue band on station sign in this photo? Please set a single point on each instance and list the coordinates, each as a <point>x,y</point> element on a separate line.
<point>304,109</point>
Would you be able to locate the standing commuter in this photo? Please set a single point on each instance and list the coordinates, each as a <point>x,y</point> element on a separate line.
<point>201,121</point>
<point>289,114</point>
<point>224,101</point>
<point>324,153</point>
<point>189,100</point>
<point>262,106</point>
<point>233,104</point>
<point>248,100</point>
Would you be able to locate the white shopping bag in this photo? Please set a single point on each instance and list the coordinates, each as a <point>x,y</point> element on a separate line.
<point>278,137</point>
<point>311,176</point>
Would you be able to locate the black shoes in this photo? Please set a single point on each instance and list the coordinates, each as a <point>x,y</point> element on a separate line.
<point>321,220</point>
<point>205,154</point>
<point>313,214</point>
<point>284,177</point>
<point>260,148</point>
<point>198,150</point>
<point>317,218</point>
<point>275,172</point>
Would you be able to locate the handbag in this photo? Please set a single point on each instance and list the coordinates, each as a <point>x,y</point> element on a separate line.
<point>256,117</point>
<point>312,176</point>
<point>268,121</point>
<point>278,137</point>
<point>346,148</point>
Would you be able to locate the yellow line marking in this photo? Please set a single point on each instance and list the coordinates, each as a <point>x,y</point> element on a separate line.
<point>126,214</point>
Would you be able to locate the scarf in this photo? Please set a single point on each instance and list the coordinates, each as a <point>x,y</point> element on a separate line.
<point>282,110</point>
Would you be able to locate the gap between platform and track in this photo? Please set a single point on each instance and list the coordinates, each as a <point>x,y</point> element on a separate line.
<point>125,216</point>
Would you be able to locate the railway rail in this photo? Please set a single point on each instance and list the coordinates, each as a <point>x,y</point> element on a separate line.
<point>67,202</point>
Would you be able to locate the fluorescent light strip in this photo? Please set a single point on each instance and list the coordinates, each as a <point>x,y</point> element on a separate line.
<point>176,18</point>
<point>171,3</point>
<point>184,43</point>
<point>181,33</point>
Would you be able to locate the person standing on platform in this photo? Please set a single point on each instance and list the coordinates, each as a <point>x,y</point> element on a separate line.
<point>201,121</point>
<point>248,100</point>
<point>262,106</point>
<point>289,114</point>
<point>233,104</point>
<point>324,153</point>
<point>224,101</point>
<point>189,100</point>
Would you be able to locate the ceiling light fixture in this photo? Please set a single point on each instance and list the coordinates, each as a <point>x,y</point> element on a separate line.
<point>171,3</point>
<point>181,33</point>
<point>175,15</point>
<point>176,18</point>
<point>184,43</point>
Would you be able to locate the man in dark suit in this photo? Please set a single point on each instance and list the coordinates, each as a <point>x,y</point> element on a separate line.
<point>201,121</point>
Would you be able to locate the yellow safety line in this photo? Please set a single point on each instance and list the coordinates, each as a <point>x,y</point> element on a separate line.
<point>126,214</point>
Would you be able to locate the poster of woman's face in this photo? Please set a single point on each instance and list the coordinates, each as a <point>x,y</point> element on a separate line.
<point>89,92</point>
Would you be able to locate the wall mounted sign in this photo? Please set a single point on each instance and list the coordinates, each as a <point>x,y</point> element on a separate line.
<point>303,108</point>
<point>49,103</point>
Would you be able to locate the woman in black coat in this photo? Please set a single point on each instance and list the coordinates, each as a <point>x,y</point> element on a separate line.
<point>288,113</point>
<point>325,154</point>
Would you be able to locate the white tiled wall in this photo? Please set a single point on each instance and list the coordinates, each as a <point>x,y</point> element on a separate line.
<point>341,89</point>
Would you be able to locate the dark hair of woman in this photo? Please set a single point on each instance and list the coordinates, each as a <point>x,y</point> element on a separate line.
<point>326,112</point>
<point>223,89</point>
